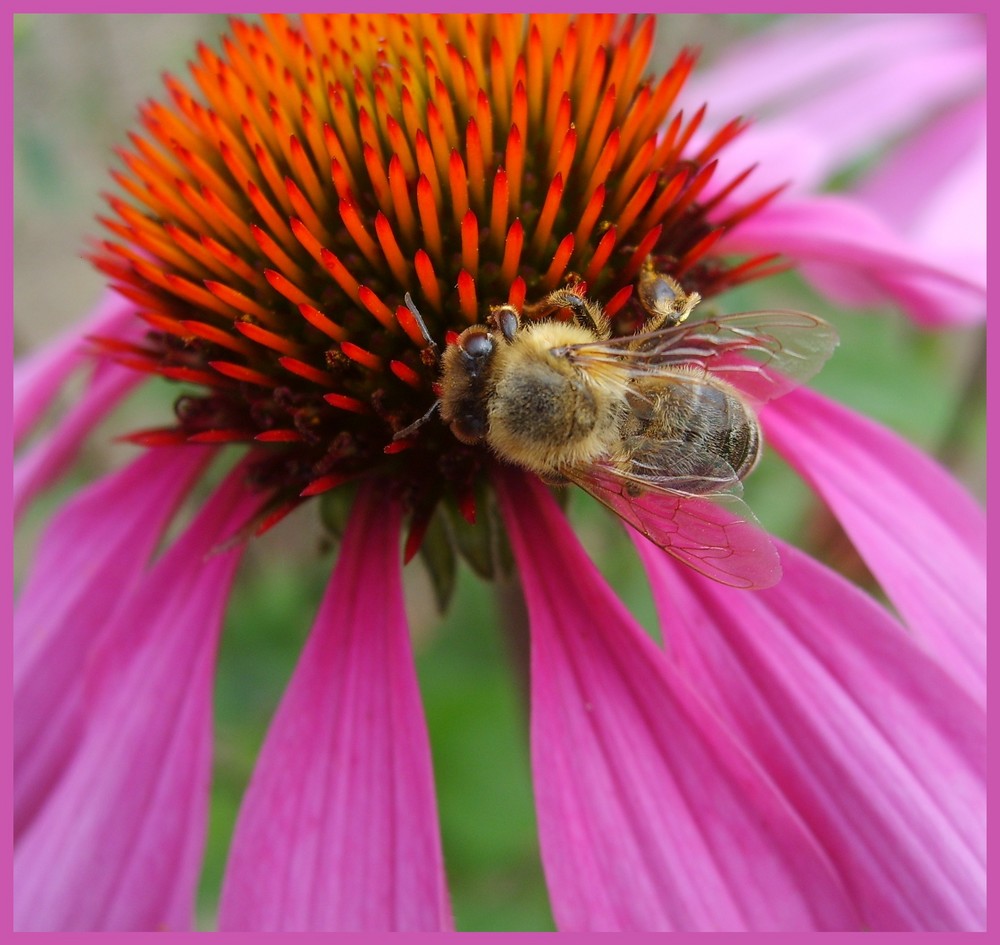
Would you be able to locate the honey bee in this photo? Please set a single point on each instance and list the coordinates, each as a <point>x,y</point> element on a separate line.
<point>660,426</point>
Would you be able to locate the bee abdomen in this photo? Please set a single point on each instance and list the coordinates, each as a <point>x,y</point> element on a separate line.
<point>720,422</point>
<point>735,434</point>
<point>742,447</point>
<point>709,416</point>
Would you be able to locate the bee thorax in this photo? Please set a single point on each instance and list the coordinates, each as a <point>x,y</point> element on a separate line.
<point>546,414</point>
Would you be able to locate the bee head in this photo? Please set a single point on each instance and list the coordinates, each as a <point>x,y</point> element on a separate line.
<point>475,345</point>
<point>464,383</point>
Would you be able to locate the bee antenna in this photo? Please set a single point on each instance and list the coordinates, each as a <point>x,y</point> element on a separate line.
<point>418,423</point>
<point>415,312</point>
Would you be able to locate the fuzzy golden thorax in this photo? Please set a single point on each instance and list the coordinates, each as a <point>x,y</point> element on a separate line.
<point>544,413</point>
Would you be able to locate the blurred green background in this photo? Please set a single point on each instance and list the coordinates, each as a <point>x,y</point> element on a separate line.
<point>78,80</point>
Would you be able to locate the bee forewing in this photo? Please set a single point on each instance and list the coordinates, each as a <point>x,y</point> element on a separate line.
<point>716,535</point>
<point>762,354</point>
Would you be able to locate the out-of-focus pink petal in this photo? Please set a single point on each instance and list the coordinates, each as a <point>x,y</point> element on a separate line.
<point>39,376</point>
<point>650,816</point>
<point>850,84</point>
<point>338,830</point>
<point>46,460</point>
<point>118,845</point>
<point>920,533</point>
<point>933,188</point>
<point>880,752</point>
<point>89,559</point>
<point>841,90</point>
<point>856,258</point>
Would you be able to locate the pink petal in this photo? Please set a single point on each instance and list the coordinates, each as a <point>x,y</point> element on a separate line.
<point>850,84</point>
<point>89,559</point>
<point>920,533</point>
<point>338,830</point>
<point>45,461</point>
<point>650,815</point>
<point>841,90</point>
<point>945,164</point>
<point>854,257</point>
<point>118,845</point>
<point>39,376</point>
<point>878,750</point>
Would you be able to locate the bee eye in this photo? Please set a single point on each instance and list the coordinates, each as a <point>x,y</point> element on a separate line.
<point>477,344</point>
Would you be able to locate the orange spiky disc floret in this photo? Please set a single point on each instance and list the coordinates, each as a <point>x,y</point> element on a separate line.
<point>325,167</point>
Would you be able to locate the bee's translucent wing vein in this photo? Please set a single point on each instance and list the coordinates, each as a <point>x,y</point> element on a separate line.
<point>763,354</point>
<point>714,533</point>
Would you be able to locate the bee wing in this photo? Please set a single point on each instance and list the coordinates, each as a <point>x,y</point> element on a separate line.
<point>762,354</point>
<point>696,515</point>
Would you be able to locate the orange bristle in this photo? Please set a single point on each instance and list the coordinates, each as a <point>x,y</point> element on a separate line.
<point>277,255</point>
<point>307,371</point>
<point>352,220</point>
<point>284,287</point>
<point>240,372</point>
<point>470,243</point>
<point>427,279</point>
<point>341,276</point>
<point>401,200</point>
<point>514,163</point>
<point>407,375</point>
<point>324,484</point>
<point>477,164</point>
<point>268,339</point>
<point>517,294</point>
<point>512,252</point>
<point>427,208</point>
<point>543,226</point>
<point>350,404</point>
<point>393,254</point>
<point>559,262</point>
<point>279,436</point>
<point>360,356</point>
<point>377,307</point>
<point>601,254</point>
<point>467,297</point>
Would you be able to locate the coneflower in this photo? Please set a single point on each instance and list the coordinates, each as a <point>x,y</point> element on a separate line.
<point>336,168</point>
<point>332,200</point>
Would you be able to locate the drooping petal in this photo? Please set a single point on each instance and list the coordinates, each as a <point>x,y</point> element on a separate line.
<point>338,830</point>
<point>880,752</point>
<point>856,258</point>
<point>920,533</point>
<point>49,458</point>
<point>89,559</point>
<point>118,845</point>
<point>650,816</point>
<point>39,376</point>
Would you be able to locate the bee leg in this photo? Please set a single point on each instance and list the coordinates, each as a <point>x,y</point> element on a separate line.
<point>505,319</point>
<point>663,300</point>
<point>586,313</point>
<point>417,424</point>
